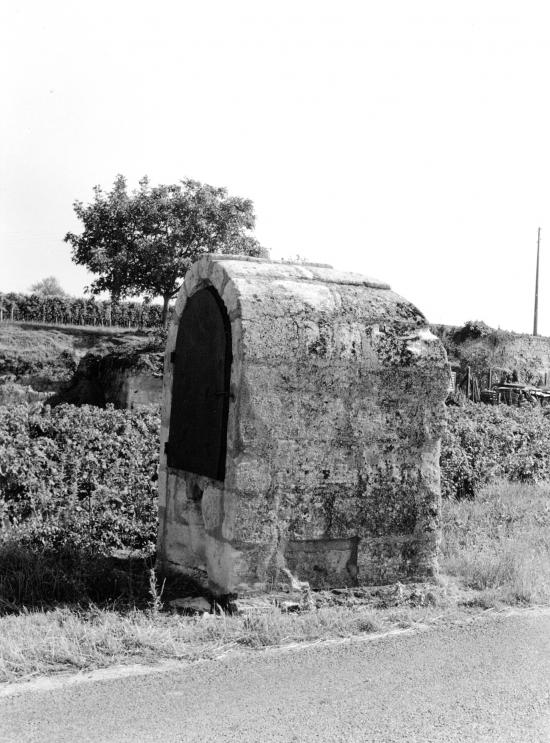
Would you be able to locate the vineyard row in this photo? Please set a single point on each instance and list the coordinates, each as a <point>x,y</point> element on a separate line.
<point>78,311</point>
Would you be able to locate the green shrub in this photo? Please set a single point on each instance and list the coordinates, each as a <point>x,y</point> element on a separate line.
<point>485,442</point>
<point>79,478</point>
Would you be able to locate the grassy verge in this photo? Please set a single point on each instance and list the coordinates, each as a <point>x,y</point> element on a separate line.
<point>499,544</point>
<point>496,550</point>
<point>68,639</point>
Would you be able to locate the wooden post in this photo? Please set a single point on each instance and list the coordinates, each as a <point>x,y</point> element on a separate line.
<point>536,317</point>
<point>468,381</point>
<point>490,378</point>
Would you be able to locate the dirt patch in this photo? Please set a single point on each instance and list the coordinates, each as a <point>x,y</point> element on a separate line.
<point>46,358</point>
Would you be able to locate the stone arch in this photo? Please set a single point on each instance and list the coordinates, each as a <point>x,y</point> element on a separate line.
<point>202,496</point>
<point>205,273</point>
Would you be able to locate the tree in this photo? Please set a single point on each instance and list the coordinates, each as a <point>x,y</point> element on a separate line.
<point>145,241</point>
<point>48,287</point>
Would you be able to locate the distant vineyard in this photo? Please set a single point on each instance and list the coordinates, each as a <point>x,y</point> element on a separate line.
<point>78,311</point>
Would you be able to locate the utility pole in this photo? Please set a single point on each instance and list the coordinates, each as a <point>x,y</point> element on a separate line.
<point>536,318</point>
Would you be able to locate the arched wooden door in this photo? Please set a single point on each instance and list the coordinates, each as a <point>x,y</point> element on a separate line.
<point>200,390</point>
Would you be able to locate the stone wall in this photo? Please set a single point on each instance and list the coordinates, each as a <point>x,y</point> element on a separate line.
<point>334,432</point>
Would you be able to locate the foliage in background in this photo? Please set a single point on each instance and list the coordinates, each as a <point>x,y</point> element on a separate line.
<point>485,442</point>
<point>145,241</point>
<point>80,311</point>
<point>79,478</point>
<point>48,287</point>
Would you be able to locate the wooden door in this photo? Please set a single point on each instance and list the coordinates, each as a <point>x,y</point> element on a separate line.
<point>200,390</point>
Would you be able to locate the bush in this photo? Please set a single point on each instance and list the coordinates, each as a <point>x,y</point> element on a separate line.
<point>79,478</point>
<point>485,442</point>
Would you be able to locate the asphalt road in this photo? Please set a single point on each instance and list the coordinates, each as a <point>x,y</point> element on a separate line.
<point>485,681</point>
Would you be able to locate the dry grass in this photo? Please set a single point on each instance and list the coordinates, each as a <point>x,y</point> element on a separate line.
<point>65,639</point>
<point>499,543</point>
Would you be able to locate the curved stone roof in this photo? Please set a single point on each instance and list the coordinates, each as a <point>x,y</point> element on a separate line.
<point>284,289</point>
<point>256,267</point>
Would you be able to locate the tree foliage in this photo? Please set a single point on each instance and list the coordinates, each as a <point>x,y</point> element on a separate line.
<point>145,241</point>
<point>48,287</point>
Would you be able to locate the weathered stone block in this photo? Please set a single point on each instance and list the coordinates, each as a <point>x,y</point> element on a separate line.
<point>327,426</point>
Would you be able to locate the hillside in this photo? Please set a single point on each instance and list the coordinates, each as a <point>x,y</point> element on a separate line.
<point>37,361</point>
<point>480,347</point>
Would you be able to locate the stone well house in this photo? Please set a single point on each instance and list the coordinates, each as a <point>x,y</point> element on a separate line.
<point>302,415</point>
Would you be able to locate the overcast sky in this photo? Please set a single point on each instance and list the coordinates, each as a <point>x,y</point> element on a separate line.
<point>406,140</point>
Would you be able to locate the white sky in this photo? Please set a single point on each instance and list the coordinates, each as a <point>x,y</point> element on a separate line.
<point>406,140</point>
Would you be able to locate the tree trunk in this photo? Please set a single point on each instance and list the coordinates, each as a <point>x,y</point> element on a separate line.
<point>165,300</point>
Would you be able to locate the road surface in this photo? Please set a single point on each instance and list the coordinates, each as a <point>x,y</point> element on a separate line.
<point>484,681</point>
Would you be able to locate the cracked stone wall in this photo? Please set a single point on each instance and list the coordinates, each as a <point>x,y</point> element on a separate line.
<point>334,430</point>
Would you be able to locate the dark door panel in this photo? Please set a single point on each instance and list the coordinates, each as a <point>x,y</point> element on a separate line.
<point>200,390</point>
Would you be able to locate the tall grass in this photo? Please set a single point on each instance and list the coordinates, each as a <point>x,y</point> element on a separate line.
<point>67,639</point>
<point>34,577</point>
<point>499,543</point>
